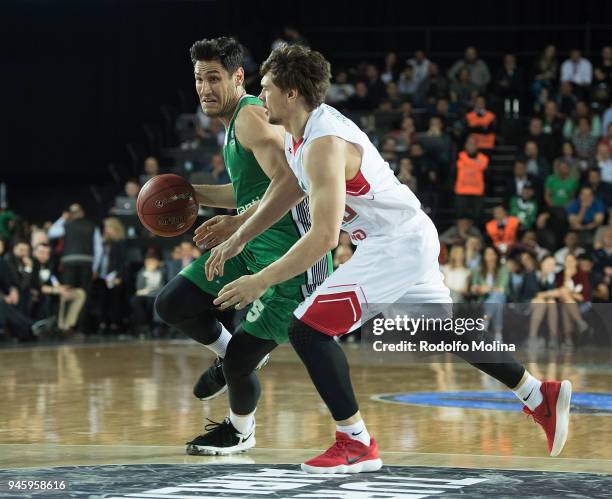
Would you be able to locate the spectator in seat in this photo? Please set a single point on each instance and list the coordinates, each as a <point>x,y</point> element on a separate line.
<point>420,65</point>
<point>42,281</point>
<point>544,305</point>
<point>509,84</point>
<point>537,165</point>
<point>566,99</point>
<point>598,284</point>
<point>586,213</point>
<point>340,90</point>
<point>71,300</point>
<point>20,266</point>
<point>392,96</point>
<point>552,123</point>
<point>560,187</point>
<point>603,162</point>
<point>522,283</point>
<point>182,256</point>
<point>12,319</point>
<point>581,110</point>
<point>520,177</point>
<point>607,126</point>
<point>111,272</point>
<point>601,190</point>
<point>602,257</point>
<point>571,247</point>
<point>584,142</point>
<point>151,169</point>
<point>489,284</point>
<point>405,136</point>
<point>435,86</point>
<point>460,232</point>
<point>530,286</point>
<point>569,156</point>
<point>577,70</point>
<point>529,242</point>
<point>436,141</point>
<point>405,174</point>
<point>428,179</point>
<point>149,281</point>
<point>502,229</point>
<point>462,91</point>
<point>82,247</point>
<point>478,70</point>
<point>470,182</point>
<point>360,100</point>
<point>545,71</point>
<point>456,274</point>
<point>125,203</point>
<point>473,256</point>
<point>376,88</point>
<point>407,83</point>
<point>525,207</point>
<point>606,61</point>
<point>546,143</point>
<point>573,285</point>
<point>601,90</point>
<point>388,151</point>
<point>559,190</point>
<point>390,68</point>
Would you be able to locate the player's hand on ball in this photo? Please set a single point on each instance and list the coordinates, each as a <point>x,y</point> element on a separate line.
<point>216,230</point>
<point>241,292</point>
<point>221,254</point>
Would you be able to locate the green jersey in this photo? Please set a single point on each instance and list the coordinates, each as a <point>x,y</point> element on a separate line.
<point>525,211</point>
<point>250,183</point>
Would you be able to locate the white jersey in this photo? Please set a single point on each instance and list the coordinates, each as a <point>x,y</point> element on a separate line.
<point>377,203</point>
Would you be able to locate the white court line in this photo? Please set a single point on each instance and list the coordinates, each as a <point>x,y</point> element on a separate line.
<point>279,449</point>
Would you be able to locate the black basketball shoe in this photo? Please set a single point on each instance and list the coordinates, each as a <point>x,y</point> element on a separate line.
<point>212,381</point>
<point>221,439</point>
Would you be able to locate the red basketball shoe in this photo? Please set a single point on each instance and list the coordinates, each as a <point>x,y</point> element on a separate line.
<point>553,413</point>
<point>345,456</point>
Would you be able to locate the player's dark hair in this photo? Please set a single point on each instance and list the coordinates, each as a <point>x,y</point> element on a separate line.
<point>298,67</point>
<point>226,49</point>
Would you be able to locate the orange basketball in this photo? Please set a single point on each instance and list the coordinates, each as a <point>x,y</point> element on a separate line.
<point>167,205</point>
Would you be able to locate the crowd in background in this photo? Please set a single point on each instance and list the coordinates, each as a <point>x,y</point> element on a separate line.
<point>543,237</point>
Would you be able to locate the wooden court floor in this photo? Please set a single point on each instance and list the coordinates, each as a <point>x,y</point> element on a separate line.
<point>128,403</point>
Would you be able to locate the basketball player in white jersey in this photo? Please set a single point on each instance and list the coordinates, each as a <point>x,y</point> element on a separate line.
<point>352,188</point>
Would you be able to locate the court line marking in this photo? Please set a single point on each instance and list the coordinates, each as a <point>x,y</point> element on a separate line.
<point>274,449</point>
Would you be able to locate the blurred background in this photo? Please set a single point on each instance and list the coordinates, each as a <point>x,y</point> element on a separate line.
<point>497,114</point>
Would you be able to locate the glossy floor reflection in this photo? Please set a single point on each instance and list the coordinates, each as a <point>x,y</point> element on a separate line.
<point>132,403</point>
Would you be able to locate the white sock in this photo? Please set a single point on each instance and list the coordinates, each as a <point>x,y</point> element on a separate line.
<point>357,431</point>
<point>529,393</point>
<point>244,424</point>
<point>219,346</point>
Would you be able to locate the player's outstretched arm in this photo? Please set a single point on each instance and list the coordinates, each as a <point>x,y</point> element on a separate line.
<point>215,196</point>
<point>324,162</point>
<point>267,144</point>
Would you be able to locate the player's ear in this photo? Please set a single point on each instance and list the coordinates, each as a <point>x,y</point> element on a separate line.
<point>292,94</point>
<point>239,77</point>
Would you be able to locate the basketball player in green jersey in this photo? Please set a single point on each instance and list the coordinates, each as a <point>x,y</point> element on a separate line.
<point>256,163</point>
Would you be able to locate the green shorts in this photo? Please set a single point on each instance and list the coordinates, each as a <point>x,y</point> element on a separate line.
<point>268,317</point>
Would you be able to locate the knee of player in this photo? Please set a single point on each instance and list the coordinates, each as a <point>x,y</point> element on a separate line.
<point>234,367</point>
<point>167,306</point>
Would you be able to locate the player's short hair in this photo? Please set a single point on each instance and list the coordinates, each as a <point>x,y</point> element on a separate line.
<point>298,67</point>
<point>225,49</point>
